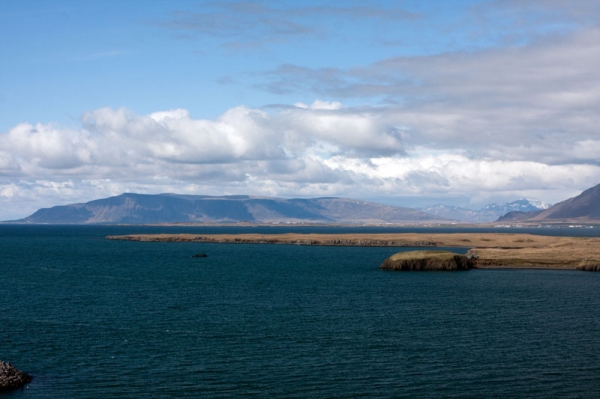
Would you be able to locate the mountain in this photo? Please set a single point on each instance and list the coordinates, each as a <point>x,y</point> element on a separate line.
<point>583,208</point>
<point>132,208</point>
<point>518,216</point>
<point>487,214</point>
<point>456,213</point>
<point>520,205</point>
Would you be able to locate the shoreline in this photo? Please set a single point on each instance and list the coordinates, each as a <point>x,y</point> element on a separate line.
<point>560,224</point>
<point>491,250</point>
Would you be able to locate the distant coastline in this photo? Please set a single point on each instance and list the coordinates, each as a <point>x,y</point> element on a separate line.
<point>491,250</point>
<point>448,225</point>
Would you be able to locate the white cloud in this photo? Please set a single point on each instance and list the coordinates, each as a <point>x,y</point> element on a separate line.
<point>48,146</point>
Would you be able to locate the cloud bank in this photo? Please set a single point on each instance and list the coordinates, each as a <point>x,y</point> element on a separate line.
<point>525,102</point>
<point>321,149</point>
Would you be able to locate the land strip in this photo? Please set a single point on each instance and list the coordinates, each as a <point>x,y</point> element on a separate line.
<point>491,250</point>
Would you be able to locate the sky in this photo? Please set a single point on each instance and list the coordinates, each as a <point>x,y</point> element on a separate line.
<point>407,103</point>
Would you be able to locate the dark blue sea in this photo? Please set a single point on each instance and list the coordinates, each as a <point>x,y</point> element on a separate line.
<point>92,318</point>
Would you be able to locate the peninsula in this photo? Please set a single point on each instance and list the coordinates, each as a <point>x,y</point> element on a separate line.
<point>489,250</point>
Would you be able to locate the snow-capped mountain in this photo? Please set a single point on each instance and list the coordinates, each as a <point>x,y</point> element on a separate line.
<point>521,205</point>
<point>488,213</point>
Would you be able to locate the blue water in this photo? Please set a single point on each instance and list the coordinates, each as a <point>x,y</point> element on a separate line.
<point>89,318</point>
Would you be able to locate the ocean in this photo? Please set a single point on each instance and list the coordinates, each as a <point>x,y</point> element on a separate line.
<point>89,318</point>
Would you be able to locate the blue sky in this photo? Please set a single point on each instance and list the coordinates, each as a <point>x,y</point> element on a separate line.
<point>403,102</point>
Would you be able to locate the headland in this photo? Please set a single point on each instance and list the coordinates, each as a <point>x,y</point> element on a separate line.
<point>490,250</point>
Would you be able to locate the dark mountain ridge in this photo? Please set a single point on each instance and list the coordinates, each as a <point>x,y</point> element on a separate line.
<point>130,208</point>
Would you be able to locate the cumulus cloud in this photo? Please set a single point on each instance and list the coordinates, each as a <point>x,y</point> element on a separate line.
<point>46,145</point>
<point>170,150</point>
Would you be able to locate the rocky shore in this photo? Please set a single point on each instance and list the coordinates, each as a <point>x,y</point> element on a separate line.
<point>587,266</point>
<point>11,377</point>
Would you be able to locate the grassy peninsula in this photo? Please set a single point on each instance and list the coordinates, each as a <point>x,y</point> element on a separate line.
<point>491,250</point>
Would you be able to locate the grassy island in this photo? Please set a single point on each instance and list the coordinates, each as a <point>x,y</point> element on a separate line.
<point>427,261</point>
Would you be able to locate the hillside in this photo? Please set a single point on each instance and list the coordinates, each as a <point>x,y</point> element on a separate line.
<point>132,208</point>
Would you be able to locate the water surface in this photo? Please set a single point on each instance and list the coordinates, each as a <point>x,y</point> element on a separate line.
<point>90,317</point>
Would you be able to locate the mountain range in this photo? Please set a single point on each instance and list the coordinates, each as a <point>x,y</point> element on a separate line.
<point>583,208</point>
<point>130,208</point>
